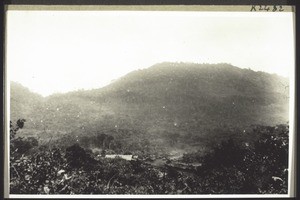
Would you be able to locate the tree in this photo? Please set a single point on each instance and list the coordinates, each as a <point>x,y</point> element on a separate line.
<point>77,157</point>
<point>257,168</point>
<point>109,139</point>
<point>15,128</point>
<point>20,145</point>
<point>266,162</point>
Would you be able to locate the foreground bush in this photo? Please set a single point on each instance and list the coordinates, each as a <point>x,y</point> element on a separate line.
<point>232,167</point>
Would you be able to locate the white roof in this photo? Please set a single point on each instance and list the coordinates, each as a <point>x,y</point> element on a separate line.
<point>126,157</point>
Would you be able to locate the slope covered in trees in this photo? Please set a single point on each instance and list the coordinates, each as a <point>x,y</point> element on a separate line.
<point>196,129</point>
<point>175,104</point>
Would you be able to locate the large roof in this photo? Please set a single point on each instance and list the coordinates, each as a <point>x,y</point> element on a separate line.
<point>126,157</point>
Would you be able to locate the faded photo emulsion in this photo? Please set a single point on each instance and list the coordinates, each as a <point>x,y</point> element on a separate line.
<point>131,102</point>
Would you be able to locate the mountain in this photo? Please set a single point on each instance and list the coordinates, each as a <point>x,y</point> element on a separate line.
<point>165,101</point>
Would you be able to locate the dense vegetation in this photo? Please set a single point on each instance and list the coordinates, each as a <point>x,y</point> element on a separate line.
<point>196,129</point>
<point>174,104</point>
<point>232,167</point>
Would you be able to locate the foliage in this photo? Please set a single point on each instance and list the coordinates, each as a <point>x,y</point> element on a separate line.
<point>266,161</point>
<point>233,167</point>
<point>195,97</point>
<point>259,168</point>
<point>20,145</point>
<point>16,127</point>
<point>193,157</point>
<point>77,157</point>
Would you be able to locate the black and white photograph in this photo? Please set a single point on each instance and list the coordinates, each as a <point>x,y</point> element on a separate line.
<point>143,102</point>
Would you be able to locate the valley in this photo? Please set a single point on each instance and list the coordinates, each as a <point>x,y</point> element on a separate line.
<point>184,122</point>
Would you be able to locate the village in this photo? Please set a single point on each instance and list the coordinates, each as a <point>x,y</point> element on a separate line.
<point>171,161</point>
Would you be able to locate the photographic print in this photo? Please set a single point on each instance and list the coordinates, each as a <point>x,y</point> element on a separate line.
<point>150,102</point>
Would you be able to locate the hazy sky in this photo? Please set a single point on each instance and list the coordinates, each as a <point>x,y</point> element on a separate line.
<point>60,51</point>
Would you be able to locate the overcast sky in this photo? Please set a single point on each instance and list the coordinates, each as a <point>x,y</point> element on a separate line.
<point>60,51</point>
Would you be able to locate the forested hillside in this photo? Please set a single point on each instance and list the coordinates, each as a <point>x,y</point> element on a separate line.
<point>195,129</point>
<point>169,103</point>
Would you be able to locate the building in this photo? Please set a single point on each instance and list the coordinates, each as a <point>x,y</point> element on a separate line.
<point>125,157</point>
